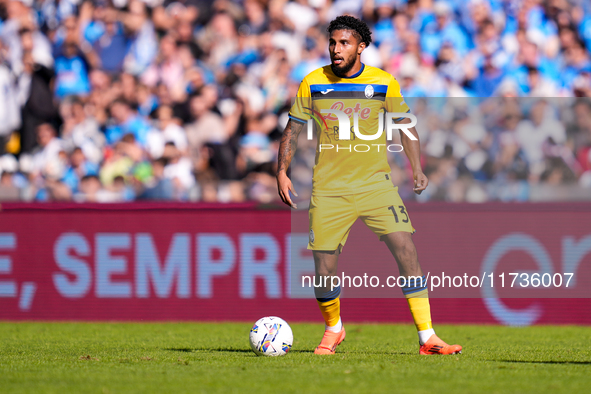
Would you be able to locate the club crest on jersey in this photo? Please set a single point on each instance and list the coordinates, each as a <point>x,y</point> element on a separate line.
<point>369,91</point>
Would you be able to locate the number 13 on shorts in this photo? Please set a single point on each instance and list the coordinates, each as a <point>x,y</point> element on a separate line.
<point>402,212</point>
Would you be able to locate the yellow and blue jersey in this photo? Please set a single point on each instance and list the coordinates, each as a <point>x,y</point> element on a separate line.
<point>352,165</point>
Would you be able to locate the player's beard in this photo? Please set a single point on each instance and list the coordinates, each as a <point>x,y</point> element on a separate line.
<point>344,67</point>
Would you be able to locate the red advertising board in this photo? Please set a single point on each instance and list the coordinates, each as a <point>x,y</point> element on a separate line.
<point>232,262</point>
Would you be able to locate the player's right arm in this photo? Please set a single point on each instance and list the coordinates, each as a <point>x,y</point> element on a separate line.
<point>298,116</point>
<point>289,143</point>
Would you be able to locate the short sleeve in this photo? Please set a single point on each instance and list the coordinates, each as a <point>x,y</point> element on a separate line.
<point>300,108</point>
<point>394,100</point>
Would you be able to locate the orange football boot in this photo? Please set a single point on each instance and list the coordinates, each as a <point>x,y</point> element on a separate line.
<point>436,346</point>
<point>330,341</point>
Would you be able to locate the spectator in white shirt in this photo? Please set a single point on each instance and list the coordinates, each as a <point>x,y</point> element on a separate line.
<point>46,157</point>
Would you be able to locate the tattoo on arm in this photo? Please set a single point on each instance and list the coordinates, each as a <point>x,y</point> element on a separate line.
<point>289,143</point>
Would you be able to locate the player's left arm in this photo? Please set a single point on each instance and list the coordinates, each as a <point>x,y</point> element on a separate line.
<point>395,103</point>
<point>412,149</point>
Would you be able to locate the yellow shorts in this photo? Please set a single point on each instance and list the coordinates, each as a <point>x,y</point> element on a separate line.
<point>331,217</point>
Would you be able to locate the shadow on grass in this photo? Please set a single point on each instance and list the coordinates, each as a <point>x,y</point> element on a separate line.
<point>300,351</point>
<point>544,362</point>
<point>204,349</point>
<point>222,349</point>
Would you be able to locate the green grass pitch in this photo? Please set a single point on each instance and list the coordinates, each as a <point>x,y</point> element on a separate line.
<point>216,357</point>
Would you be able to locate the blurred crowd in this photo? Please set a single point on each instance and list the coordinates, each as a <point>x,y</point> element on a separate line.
<point>121,100</point>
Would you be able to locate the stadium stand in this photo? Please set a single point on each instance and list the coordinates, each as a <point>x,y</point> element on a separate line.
<point>122,100</point>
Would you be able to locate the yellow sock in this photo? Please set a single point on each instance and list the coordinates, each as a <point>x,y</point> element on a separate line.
<point>331,311</point>
<point>420,309</point>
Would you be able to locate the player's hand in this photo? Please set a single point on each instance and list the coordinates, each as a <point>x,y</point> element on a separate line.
<point>284,186</point>
<point>421,182</point>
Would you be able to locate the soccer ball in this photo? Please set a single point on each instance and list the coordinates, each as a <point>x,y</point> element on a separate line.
<point>271,336</point>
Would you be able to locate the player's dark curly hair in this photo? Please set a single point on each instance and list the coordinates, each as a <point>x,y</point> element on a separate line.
<point>357,26</point>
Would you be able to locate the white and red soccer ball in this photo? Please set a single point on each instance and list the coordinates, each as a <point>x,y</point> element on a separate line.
<point>271,336</point>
